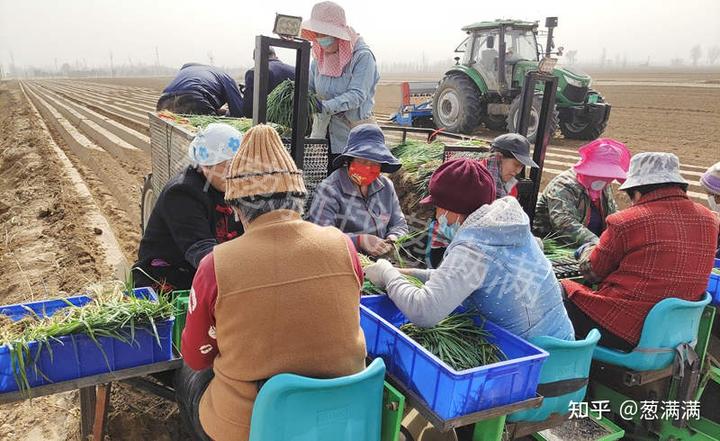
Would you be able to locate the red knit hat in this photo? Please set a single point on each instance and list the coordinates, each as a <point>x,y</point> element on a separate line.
<point>461,185</point>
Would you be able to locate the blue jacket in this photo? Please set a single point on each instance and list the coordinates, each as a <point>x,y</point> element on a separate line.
<point>520,291</point>
<point>349,98</point>
<point>216,86</point>
<point>339,203</point>
<point>277,73</point>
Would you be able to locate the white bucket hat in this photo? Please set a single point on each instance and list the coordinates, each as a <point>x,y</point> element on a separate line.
<point>328,18</point>
<point>214,144</point>
<point>653,168</point>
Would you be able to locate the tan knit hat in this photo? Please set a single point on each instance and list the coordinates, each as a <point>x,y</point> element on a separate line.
<point>262,166</point>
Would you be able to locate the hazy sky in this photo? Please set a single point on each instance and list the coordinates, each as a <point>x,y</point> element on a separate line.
<point>38,32</point>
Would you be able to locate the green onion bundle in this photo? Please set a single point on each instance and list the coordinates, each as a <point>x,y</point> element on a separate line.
<point>716,271</point>
<point>457,341</point>
<point>553,250</point>
<point>369,288</point>
<point>280,104</point>
<point>110,313</point>
<point>399,246</point>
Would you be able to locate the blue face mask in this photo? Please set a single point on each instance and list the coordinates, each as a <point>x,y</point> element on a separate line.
<point>447,230</point>
<point>326,42</point>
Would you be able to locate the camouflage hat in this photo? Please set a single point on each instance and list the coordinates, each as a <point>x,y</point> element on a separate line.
<point>653,168</point>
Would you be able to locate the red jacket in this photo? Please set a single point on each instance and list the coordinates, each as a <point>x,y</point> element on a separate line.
<point>661,247</point>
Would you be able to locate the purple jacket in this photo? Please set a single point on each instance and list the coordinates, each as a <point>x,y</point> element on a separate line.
<point>338,202</point>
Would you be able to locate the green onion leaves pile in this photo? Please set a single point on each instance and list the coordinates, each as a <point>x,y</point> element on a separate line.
<point>457,341</point>
<point>110,313</point>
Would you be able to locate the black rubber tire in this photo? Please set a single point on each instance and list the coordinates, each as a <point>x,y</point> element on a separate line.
<point>514,115</point>
<point>405,435</point>
<point>456,104</point>
<point>495,122</point>
<point>147,201</point>
<point>189,388</point>
<point>587,133</point>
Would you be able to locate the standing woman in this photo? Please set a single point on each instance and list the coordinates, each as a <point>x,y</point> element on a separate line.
<point>343,74</point>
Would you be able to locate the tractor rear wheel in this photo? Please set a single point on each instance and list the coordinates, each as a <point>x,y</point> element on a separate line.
<point>456,104</point>
<point>585,130</point>
<point>514,117</point>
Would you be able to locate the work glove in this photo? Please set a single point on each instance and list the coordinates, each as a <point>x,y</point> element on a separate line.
<point>579,252</point>
<point>380,273</point>
<point>374,245</point>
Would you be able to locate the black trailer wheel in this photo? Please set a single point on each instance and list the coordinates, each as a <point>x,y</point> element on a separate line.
<point>574,128</point>
<point>514,116</point>
<point>147,201</point>
<point>456,104</point>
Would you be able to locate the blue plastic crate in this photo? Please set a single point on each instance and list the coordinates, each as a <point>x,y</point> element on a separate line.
<point>448,392</point>
<point>714,286</point>
<point>75,356</point>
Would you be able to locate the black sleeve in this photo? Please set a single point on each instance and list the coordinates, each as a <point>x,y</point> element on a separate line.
<point>186,215</point>
<point>247,107</point>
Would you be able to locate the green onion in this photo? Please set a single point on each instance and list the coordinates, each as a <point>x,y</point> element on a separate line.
<point>457,341</point>
<point>280,104</point>
<point>110,313</point>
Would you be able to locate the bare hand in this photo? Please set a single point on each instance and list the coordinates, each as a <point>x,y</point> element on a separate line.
<point>374,245</point>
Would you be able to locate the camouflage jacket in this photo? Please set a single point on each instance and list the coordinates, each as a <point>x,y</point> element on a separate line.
<point>563,210</point>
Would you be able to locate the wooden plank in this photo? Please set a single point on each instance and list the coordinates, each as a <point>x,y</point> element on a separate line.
<point>87,411</point>
<point>91,381</point>
<point>414,400</point>
<point>101,409</point>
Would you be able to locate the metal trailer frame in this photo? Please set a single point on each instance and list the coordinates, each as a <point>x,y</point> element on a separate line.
<point>528,189</point>
<point>300,99</point>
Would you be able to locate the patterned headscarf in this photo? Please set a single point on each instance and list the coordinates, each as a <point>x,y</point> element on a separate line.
<point>329,18</point>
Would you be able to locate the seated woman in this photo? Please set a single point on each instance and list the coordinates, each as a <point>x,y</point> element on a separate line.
<point>190,216</point>
<point>710,181</point>
<point>357,199</point>
<point>493,265</point>
<point>661,247</point>
<point>574,205</point>
<point>510,153</point>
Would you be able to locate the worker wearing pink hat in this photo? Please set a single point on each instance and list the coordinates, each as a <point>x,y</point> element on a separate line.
<point>574,205</point>
<point>343,74</point>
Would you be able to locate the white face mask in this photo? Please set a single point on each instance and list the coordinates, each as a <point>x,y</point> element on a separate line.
<point>598,185</point>
<point>713,205</point>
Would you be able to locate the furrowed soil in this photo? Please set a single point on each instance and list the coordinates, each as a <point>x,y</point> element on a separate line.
<point>46,251</point>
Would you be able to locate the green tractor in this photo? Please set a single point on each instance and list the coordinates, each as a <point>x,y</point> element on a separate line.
<point>486,86</point>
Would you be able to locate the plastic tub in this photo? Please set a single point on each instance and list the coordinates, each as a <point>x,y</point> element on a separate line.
<point>75,356</point>
<point>448,392</point>
<point>714,286</point>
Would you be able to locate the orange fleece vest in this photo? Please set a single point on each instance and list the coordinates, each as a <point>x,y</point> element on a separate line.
<point>288,301</point>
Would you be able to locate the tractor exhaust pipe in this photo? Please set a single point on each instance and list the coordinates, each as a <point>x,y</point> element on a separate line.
<point>550,23</point>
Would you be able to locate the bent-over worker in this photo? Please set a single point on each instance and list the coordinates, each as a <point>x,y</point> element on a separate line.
<point>201,90</point>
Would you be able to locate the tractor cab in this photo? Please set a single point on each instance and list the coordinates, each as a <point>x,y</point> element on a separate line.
<point>494,48</point>
<point>484,85</point>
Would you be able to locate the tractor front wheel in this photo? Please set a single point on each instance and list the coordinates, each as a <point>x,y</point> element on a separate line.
<point>456,104</point>
<point>581,128</point>
<point>513,117</point>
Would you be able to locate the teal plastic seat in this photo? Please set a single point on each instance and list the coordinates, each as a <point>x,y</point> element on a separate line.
<point>669,324</point>
<point>294,408</point>
<point>568,360</point>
